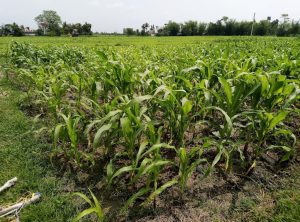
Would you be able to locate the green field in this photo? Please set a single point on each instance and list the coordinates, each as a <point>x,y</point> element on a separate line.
<point>103,41</point>
<point>159,128</point>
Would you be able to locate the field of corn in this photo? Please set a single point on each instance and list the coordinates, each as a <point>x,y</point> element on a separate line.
<point>148,120</point>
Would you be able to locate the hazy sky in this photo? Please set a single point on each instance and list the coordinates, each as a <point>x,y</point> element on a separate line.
<point>114,15</point>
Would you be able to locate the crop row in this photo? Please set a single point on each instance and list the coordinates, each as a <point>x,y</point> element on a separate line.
<point>151,117</point>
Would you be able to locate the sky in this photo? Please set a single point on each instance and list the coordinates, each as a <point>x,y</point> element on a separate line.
<point>114,15</point>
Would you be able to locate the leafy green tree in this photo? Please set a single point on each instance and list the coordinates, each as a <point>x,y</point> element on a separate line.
<point>262,28</point>
<point>201,28</point>
<point>87,29</point>
<point>243,28</point>
<point>274,27</point>
<point>190,28</point>
<point>12,29</point>
<point>172,28</point>
<point>230,27</point>
<point>66,28</point>
<point>6,30</point>
<point>50,22</point>
<point>145,27</point>
<point>215,28</point>
<point>84,29</point>
<point>294,28</point>
<point>129,31</point>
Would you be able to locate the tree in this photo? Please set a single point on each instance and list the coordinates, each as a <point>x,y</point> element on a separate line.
<point>262,28</point>
<point>243,28</point>
<point>66,28</point>
<point>274,27</point>
<point>172,28</point>
<point>129,31</point>
<point>201,28</point>
<point>145,27</point>
<point>230,27</point>
<point>215,28</point>
<point>190,28</point>
<point>49,21</point>
<point>294,28</point>
<point>225,19</point>
<point>86,29</point>
<point>12,29</point>
<point>7,30</point>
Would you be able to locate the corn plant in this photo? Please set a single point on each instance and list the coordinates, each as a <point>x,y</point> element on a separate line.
<point>264,125</point>
<point>188,162</point>
<point>146,112</point>
<point>69,132</point>
<point>95,207</point>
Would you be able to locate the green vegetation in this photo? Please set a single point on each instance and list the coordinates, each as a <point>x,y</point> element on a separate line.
<point>151,114</point>
<point>23,156</point>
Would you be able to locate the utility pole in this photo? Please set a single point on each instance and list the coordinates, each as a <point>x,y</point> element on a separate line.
<point>253,24</point>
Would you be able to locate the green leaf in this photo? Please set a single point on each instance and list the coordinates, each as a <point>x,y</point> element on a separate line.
<point>217,158</point>
<point>141,150</point>
<point>227,118</point>
<point>57,132</point>
<point>126,126</point>
<point>287,133</point>
<point>83,196</point>
<point>277,119</point>
<point>121,171</point>
<point>264,83</point>
<point>158,146</point>
<point>154,165</point>
<point>103,120</point>
<point>140,99</point>
<point>99,133</point>
<point>227,89</point>
<point>133,198</point>
<point>98,208</point>
<point>84,213</point>
<point>215,161</point>
<point>109,170</point>
<point>160,190</point>
<point>187,106</point>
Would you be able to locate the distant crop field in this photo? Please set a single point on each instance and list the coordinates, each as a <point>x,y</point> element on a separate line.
<point>96,41</point>
<point>152,117</point>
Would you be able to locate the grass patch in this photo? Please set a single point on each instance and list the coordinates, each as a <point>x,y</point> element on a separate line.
<point>288,206</point>
<point>23,156</point>
<point>288,199</point>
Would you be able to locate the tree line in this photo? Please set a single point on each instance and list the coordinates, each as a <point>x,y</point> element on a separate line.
<point>222,27</point>
<point>49,24</point>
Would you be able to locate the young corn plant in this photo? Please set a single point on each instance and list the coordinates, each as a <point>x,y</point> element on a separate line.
<point>69,131</point>
<point>276,91</point>
<point>236,94</point>
<point>178,113</point>
<point>95,208</point>
<point>151,169</point>
<point>138,167</point>
<point>133,124</point>
<point>188,162</point>
<point>147,167</point>
<point>105,133</point>
<point>267,124</point>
